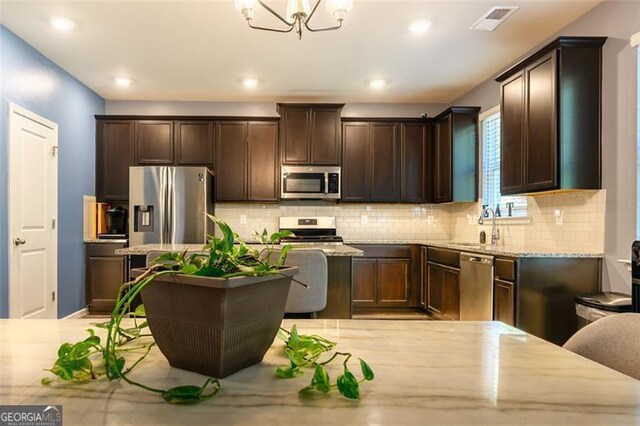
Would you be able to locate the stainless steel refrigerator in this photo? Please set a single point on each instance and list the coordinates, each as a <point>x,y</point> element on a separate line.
<point>168,205</point>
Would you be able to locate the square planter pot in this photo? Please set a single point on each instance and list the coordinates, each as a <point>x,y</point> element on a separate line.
<point>215,326</point>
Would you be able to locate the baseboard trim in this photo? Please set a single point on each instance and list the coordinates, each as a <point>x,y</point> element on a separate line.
<point>78,314</point>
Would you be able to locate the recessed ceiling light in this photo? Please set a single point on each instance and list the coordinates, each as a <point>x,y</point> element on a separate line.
<point>250,83</point>
<point>377,83</point>
<point>123,81</point>
<point>419,27</point>
<point>61,23</point>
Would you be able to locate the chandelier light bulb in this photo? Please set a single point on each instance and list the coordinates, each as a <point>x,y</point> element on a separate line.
<point>297,8</point>
<point>339,8</point>
<point>247,7</point>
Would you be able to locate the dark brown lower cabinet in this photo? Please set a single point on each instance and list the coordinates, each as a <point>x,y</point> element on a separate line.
<point>104,274</point>
<point>364,282</point>
<point>504,302</point>
<point>443,291</point>
<point>381,282</point>
<point>424,287</point>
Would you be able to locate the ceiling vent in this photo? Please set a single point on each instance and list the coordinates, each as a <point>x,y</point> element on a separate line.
<point>494,17</point>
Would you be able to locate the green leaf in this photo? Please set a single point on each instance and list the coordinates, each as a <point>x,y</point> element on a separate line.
<point>189,269</point>
<point>140,312</point>
<point>321,380</point>
<point>288,372</point>
<point>45,381</point>
<point>191,394</point>
<point>283,255</point>
<point>366,370</point>
<point>348,385</point>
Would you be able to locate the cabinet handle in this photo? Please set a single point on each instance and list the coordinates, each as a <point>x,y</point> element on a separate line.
<point>19,241</point>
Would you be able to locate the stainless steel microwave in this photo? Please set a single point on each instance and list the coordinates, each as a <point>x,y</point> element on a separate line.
<point>310,182</point>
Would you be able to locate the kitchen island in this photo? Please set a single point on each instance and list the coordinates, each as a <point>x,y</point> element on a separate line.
<point>339,270</point>
<point>427,372</point>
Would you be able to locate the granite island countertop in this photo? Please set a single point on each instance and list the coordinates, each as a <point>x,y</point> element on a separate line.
<point>328,249</point>
<point>486,249</point>
<point>426,372</point>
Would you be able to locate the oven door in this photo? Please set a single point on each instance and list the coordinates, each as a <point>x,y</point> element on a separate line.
<point>303,185</point>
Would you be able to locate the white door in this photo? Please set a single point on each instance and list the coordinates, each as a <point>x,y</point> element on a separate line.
<point>33,195</point>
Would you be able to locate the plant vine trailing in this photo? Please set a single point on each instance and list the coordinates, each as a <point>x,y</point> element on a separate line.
<point>225,257</point>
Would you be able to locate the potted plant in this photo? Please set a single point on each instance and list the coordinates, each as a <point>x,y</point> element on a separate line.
<point>214,312</point>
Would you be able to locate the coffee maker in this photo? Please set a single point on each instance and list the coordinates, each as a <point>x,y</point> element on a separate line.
<point>116,224</point>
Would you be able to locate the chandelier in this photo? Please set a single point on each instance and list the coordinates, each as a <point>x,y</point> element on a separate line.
<point>298,14</point>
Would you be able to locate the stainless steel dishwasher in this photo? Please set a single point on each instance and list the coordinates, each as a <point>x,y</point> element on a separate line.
<point>476,287</point>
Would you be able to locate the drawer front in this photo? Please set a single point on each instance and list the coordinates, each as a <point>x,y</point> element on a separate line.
<point>103,249</point>
<point>444,256</point>
<point>384,250</point>
<point>505,269</point>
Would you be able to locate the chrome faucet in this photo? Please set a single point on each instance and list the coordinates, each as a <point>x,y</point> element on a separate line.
<point>495,232</point>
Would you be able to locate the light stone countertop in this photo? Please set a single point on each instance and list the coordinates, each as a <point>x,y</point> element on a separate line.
<point>328,249</point>
<point>105,241</point>
<point>477,248</point>
<point>426,372</point>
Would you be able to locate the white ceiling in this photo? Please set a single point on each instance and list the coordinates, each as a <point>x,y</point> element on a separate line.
<point>201,50</point>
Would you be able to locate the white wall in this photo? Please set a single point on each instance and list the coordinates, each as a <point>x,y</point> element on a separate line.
<point>261,109</point>
<point>618,20</point>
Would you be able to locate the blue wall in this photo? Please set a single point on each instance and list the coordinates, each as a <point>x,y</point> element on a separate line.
<point>32,81</point>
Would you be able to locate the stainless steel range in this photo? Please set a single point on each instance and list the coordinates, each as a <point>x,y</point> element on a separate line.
<point>310,230</point>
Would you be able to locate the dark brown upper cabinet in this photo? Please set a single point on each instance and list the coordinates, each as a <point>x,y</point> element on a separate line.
<point>551,124</point>
<point>455,162</point>
<point>193,143</point>
<point>370,169</point>
<point>310,133</point>
<point>247,161</point>
<point>114,155</point>
<point>414,162</point>
<point>154,142</point>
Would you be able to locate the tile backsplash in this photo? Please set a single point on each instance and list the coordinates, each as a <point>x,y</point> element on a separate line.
<point>383,221</point>
<point>582,228</point>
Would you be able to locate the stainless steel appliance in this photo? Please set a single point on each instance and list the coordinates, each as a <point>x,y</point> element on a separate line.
<point>476,287</point>
<point>310,230</point>
<point>170,204</point>
<point>302,182</point>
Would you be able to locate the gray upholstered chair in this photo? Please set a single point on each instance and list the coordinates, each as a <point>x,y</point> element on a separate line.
<point>612,341</point>
<point>313,272</point>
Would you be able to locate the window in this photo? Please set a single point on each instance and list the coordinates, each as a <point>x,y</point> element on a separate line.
<point>490,139</point>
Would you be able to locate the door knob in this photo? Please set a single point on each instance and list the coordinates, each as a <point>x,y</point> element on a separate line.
<point>19,241</point>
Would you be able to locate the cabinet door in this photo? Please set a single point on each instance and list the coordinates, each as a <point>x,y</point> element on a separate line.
<point>364,282</point>
<point>325,136</point>
<point>512,136</point>
<point>355,162</point>
<point>443,154</point>
<point>436,288</point>
<point>114,155</point>
<point>540,130</point>
<point>104,274</point>
<point>194,143</point>
<point>383,143</point>
<point>413,163</point>
<point>295,135</point>
<point>393,282</point>
<point>424,282</point>
<point>231,161</point>
<point>263,162</point>
<point>451,293</point>
<point>154,142</point>
<point>504,302</point>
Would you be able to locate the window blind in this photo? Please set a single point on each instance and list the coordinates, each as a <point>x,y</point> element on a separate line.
<point>490,134</point>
